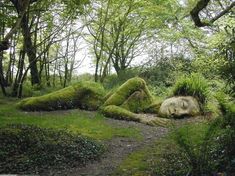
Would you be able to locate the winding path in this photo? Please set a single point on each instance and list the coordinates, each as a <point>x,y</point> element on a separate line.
<point>118,149</point>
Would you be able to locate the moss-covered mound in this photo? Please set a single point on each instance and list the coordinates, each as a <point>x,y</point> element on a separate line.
<point>84,95</point>
<point>26,149</point>
<point>133,95</point>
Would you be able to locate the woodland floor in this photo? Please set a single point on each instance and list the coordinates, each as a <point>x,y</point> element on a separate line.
<point>119,148</point>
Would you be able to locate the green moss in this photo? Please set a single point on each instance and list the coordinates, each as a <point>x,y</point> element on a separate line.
<point>153,108</point>
<point>137,102</point>
<point>119,113</point>
<point>85,95</point>
<point>131,98</point>
<point>109,94</point>
<point>133,95</point>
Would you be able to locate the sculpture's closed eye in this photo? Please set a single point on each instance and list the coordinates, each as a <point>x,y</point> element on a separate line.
<point>184,105</point>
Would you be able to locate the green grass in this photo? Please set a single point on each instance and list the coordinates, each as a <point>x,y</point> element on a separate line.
<point>184,149</point>
<point>90,124</point>
<point>164,157</point>
<point>161,158</point>
<point>192,85</point>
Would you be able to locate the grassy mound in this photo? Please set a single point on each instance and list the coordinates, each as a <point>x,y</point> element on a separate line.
<point>133,95</point>
<point>84,95</point>
<point>27,149</point>
<point>192,85</point>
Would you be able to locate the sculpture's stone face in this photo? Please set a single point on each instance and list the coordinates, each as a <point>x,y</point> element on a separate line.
<point>179,106</point>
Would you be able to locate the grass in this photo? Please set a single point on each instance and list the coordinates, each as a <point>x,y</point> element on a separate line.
<point>164,157</point>
<point>161,158</point>
<point>90,124</point>
<point>195,149</point>
<point>192,85</point>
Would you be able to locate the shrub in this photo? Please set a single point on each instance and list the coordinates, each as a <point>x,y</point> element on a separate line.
<point>27,149</point>
<point>200,145</point>
<point>192,85</point>
<point>227,139</point>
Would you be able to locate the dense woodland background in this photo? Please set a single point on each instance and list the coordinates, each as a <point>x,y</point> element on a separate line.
<point>42,41</point>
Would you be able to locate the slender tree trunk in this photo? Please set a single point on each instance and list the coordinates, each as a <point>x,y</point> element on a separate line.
<point>2,80</point>
<point>47,71</point>
<point>19,74</point>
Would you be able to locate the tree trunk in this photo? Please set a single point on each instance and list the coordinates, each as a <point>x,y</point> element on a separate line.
<point>2,80</point>
<point>19,74</point>
<point>30,50</point>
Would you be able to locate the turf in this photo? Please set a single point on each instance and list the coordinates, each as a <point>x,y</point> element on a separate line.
<point>90,124</point>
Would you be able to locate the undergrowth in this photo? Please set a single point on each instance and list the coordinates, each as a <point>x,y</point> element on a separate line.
<point>28,149</point>
<point>212,151</point>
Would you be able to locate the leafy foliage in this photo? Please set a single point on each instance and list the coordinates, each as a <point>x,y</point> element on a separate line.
<point>30,149</point>
<point>210,147</point>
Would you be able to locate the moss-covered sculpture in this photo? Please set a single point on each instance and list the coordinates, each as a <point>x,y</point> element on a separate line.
<point>131,98</point>
<point>133,95</point>
<point>176,107</point>
<point>83,95</point>
<point>120,113</point>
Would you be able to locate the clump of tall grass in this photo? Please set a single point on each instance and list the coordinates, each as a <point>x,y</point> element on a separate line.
<point>192,85</point>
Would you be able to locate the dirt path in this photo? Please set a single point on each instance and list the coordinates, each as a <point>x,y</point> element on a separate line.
<point>118,149</point>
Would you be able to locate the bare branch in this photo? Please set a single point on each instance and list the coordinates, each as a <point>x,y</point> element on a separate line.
<point>200,6</point>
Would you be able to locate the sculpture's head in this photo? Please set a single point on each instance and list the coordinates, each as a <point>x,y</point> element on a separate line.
<point>179,106</point>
